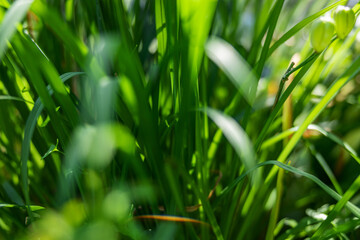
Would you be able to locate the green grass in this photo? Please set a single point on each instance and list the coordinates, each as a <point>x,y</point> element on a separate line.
<point>164,120</point>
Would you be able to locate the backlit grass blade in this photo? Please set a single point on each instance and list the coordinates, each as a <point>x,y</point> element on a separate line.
<point>284,96</point>
<point>273,19</point>
<point>301,25</point>
<point>347,226</point>
<point>32,207</point>
<point>26,51</point>
<point>355,186</point>
<point>350,73</point>
<point>331,136</point>
<point>28,133</point>
<point>161,27</point>
<point>50,74</point>
<point>354,209</point>
<point>236,137</point>
<point>234,66</point>
<point>11,98</point>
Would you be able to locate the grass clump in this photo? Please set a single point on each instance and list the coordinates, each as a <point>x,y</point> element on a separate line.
<point>164,120</point>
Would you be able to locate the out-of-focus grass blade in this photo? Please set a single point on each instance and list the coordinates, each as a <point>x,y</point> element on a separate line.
<point>336,210</point>
<point>160,22</point>
<point>351,72</point>
<point>234,66</point>
<point>299,228</point>
<point>196,18</point>
<point>4,3</point>
<point>301,25</point>
<point>32,207</point>
<point>13,16</point>
<point>236,136</point>
<point>354,209</point>
<point>93,146</point>
<point>170,218</point>
<point>274,16</point>
<point>11,98</point>
<point>12,194</point>
<point>348,226</point>
<point>28,133</point>
<point>336,139</point>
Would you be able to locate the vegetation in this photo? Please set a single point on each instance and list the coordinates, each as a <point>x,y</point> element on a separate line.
<point>183,119</point>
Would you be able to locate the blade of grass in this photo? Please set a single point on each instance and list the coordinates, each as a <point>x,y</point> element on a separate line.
<point>234,66</point>
<point>32,207</point>
<point>236,137</point>
<point>355,186</point>
<point>308,62</point>
<point>326,168</point>
<point>301,25</point>
<point>11,98</point>
<point>160,22</point>
<point>28,133</point>
<point>348,226</point>
<point>336,139</point>
<point>74,45</point>
<point>350,73</point>
<point>354,209</point>
<point>275,13</point>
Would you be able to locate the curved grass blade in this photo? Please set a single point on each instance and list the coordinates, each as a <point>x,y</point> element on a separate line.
<point>234,66</point>
<point>299,228</point>
<point>350,73</point>
<point>50,75</point>
<point>355,186</point>
<point>348,226</point>
<point>331,136</point>
<point>28,133</point>
<point>236,137</point>
<point>11,98</point>
<point>282,100</point>
<point>301,25</point>
<point>336,139</point>
<point>26,51</point>
<point>354,209</point>
<point>325,167</point>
